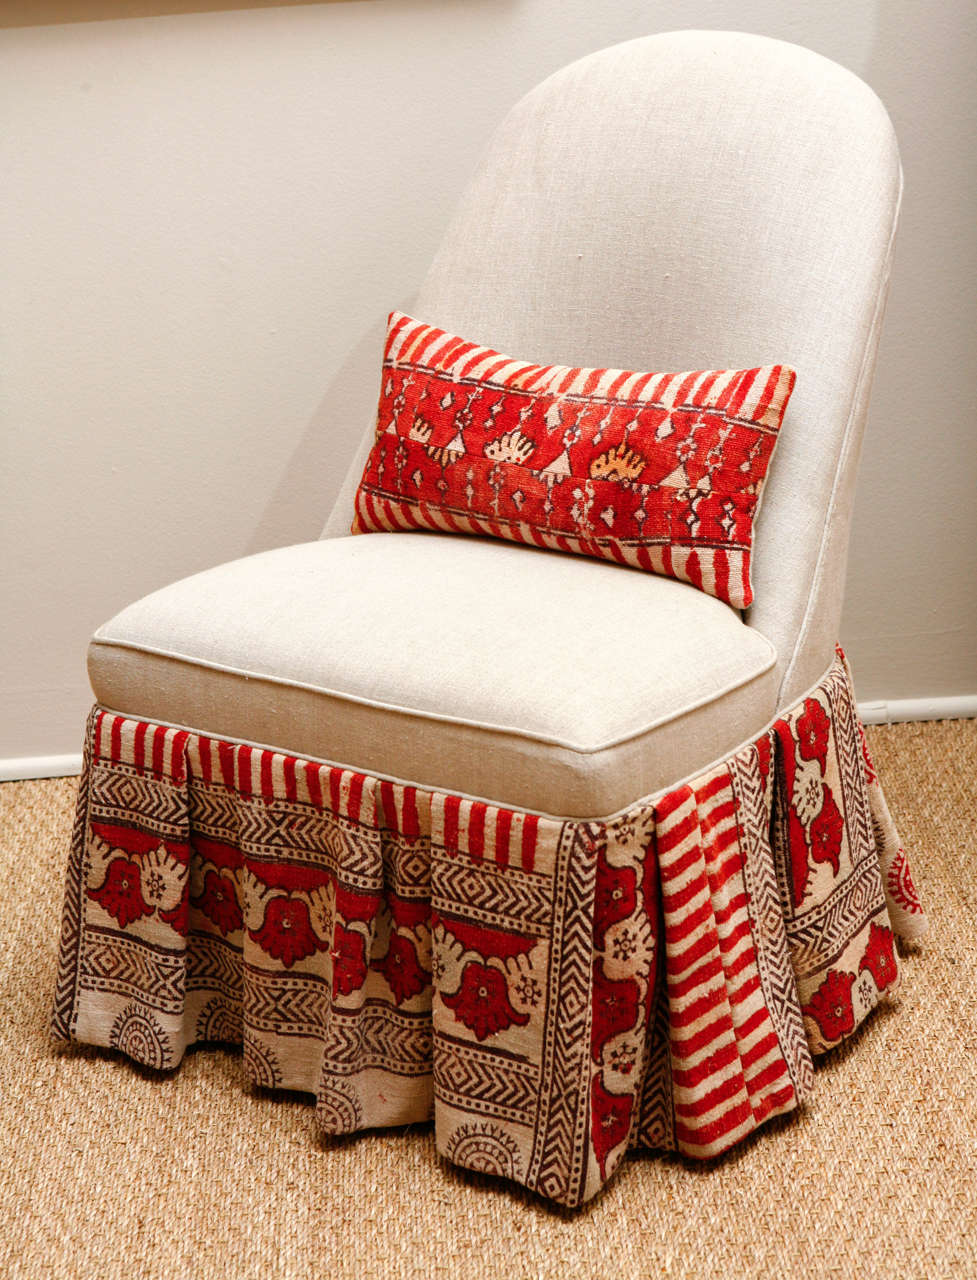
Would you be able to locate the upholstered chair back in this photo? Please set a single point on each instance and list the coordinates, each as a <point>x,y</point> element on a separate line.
<point>697,200</point>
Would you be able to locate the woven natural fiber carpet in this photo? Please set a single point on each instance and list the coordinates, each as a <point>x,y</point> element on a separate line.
<point>109,1171</point>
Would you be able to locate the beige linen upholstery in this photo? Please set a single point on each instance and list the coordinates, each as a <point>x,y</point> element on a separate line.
<point>554,684</point>
<point>691,200</point>
<point>697,200</point>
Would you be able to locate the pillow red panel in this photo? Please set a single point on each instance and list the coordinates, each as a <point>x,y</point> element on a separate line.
<point>660,471</point>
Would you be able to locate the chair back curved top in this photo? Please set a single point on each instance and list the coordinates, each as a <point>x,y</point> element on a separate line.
<point>697,199</point>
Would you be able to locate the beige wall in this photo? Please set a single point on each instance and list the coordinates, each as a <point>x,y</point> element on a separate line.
<point>207,215</point>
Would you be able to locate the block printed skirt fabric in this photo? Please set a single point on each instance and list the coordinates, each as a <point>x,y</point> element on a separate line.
<point>551,992</point>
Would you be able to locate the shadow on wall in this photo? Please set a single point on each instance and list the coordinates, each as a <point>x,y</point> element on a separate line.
<point>311,479</point>
<point>40,13</point>
<point>923,70</point>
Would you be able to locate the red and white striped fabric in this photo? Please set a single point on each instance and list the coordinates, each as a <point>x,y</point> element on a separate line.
<point>729,1072</point>
<point>659,471</point>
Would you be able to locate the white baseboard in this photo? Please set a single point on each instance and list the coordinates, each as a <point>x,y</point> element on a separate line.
<point>901,709</point>
<point>15,769</point>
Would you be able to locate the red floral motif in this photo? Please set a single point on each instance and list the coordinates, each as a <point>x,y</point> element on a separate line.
<point>218,902</point>
<point>179,918</point>
<point>402,969</point>
<point>408,913</point>
<point>812,731</point>
<point>615,1004</point>
<point>121,893</point>
<point>356,906</point>
<point>224,856</point>
<point>614,899</point>
<point>610,1121</point>
<point>348,961</point>
<point>901,886</point>
<point>286,932</point>
<point>826,832</point>
<point>880,956</point>
<point>499,943</point>
<point>482,1004</point>
<point>831,1006</point>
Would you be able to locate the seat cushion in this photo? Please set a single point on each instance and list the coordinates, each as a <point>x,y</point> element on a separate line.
<point>541,681</point>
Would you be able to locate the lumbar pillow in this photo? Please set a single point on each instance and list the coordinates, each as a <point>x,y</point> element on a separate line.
<point>661,471</point>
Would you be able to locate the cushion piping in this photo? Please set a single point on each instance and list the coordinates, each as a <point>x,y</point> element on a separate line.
<point>620,740</point>
<point>648,798</point>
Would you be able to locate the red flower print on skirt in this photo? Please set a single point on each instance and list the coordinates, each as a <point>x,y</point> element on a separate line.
<point>402,969</point>
<point>356,906</point>
<point>286,932</point>
<point>901,886</point>
<point>812,732</point>
<point>614,899</point>
<point>610,1121</point>
<point>615,1009</point>
<point>348,961</point>
<point>218,902</point>
<point>482,1004</point>
<point>178,918</point>
<point>880,956</point>
<point>831,1006</point>
<point>121,894</point>
<point>827,830</point>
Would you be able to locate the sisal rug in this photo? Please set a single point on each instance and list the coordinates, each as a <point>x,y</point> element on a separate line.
<point>109,1171</point>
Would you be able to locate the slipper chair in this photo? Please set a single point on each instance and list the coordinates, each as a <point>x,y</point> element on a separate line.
<point>543,809</point>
